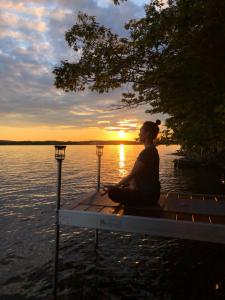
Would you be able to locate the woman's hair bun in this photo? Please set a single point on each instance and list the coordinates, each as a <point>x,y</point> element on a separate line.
<point>158,122</point>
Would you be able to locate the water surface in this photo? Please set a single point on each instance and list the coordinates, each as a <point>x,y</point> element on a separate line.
<point>128,266</point>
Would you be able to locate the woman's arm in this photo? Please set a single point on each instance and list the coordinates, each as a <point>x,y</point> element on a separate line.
<point>137,169</point>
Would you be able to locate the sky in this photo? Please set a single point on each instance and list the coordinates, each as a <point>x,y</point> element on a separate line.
<point>31,45</point>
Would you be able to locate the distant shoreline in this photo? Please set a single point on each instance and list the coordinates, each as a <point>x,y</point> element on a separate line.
<point>41,143</point>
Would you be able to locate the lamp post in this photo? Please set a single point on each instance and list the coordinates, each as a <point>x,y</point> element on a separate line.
<point>59,156</point>
<point>99,152</point>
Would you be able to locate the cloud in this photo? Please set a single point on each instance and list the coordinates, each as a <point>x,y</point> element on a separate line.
<point>127,125</point>
<point>103,122</point>
<point>32,43</point>
<point>13,20</point>
<point>24,8</point>
<point>77,113</point>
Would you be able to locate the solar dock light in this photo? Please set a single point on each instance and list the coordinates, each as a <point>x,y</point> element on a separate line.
<point>59,156</point>
<point>99,152</point>
<point>60,152</point>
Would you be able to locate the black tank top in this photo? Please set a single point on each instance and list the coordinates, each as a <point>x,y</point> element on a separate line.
<point>148,180</point>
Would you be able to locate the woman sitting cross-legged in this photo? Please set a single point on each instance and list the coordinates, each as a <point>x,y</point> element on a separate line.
<point>141,186</point>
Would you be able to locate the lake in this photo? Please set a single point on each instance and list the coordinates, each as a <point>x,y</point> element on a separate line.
<point>128,266</point>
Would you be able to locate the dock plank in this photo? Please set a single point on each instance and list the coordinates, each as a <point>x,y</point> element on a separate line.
<point>218,219</point>
<point>169,215</point>
<point>75,202</point>
<point>220,197</point>
<point>98,199</point>
<point>95,208</point>
<point>201,218</point>
<point>82,207</point>
<point>108,210</point>
<point>184,217</point>
<point>195,206</point>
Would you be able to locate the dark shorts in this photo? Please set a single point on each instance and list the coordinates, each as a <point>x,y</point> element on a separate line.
<point>133,197</point>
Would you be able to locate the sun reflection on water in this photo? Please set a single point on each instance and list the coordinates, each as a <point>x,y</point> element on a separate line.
<point>122,169</point>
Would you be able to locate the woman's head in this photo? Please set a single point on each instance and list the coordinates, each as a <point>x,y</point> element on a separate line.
<point>149,131</point>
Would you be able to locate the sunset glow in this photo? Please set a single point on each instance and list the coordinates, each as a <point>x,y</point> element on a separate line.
<point>58,133</point>
<point>32,42</point>
<point>122,134</point>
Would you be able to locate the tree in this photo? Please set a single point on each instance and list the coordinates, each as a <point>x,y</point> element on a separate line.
<point>173,60</point>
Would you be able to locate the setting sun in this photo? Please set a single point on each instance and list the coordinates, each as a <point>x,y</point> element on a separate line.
<point>122,134</point>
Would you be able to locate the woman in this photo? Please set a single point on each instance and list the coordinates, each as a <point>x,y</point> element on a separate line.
<point>144,175</point>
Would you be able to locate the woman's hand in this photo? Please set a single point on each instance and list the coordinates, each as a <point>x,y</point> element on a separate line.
<point>107,188</point>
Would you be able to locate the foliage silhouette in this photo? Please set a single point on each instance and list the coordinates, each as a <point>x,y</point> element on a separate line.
<point>173,59</point>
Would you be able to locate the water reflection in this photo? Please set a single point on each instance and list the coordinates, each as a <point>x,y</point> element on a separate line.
<point>122,167</point>
<point>27,189</point>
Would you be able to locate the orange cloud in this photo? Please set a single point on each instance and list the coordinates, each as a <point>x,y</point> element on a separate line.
<point>22,8</point>
<point>103,122</point>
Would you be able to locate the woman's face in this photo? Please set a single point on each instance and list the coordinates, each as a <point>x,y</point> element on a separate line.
<point>142,135</point>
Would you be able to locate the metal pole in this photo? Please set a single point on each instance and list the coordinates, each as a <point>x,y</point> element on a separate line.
<point>99,173</point>
<point>57,227</point>
<point>98,189</point>
<point>96,239</point>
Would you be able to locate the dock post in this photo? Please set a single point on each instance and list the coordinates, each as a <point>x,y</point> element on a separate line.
<point>99,152</point>
<point>59,156</point>
<point>99,173</point>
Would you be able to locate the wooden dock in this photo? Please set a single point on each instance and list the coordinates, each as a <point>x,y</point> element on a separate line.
<point>178,215</point>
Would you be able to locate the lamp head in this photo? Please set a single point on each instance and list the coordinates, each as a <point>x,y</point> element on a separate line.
<point>60,152</point>
<point>99,150</point>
